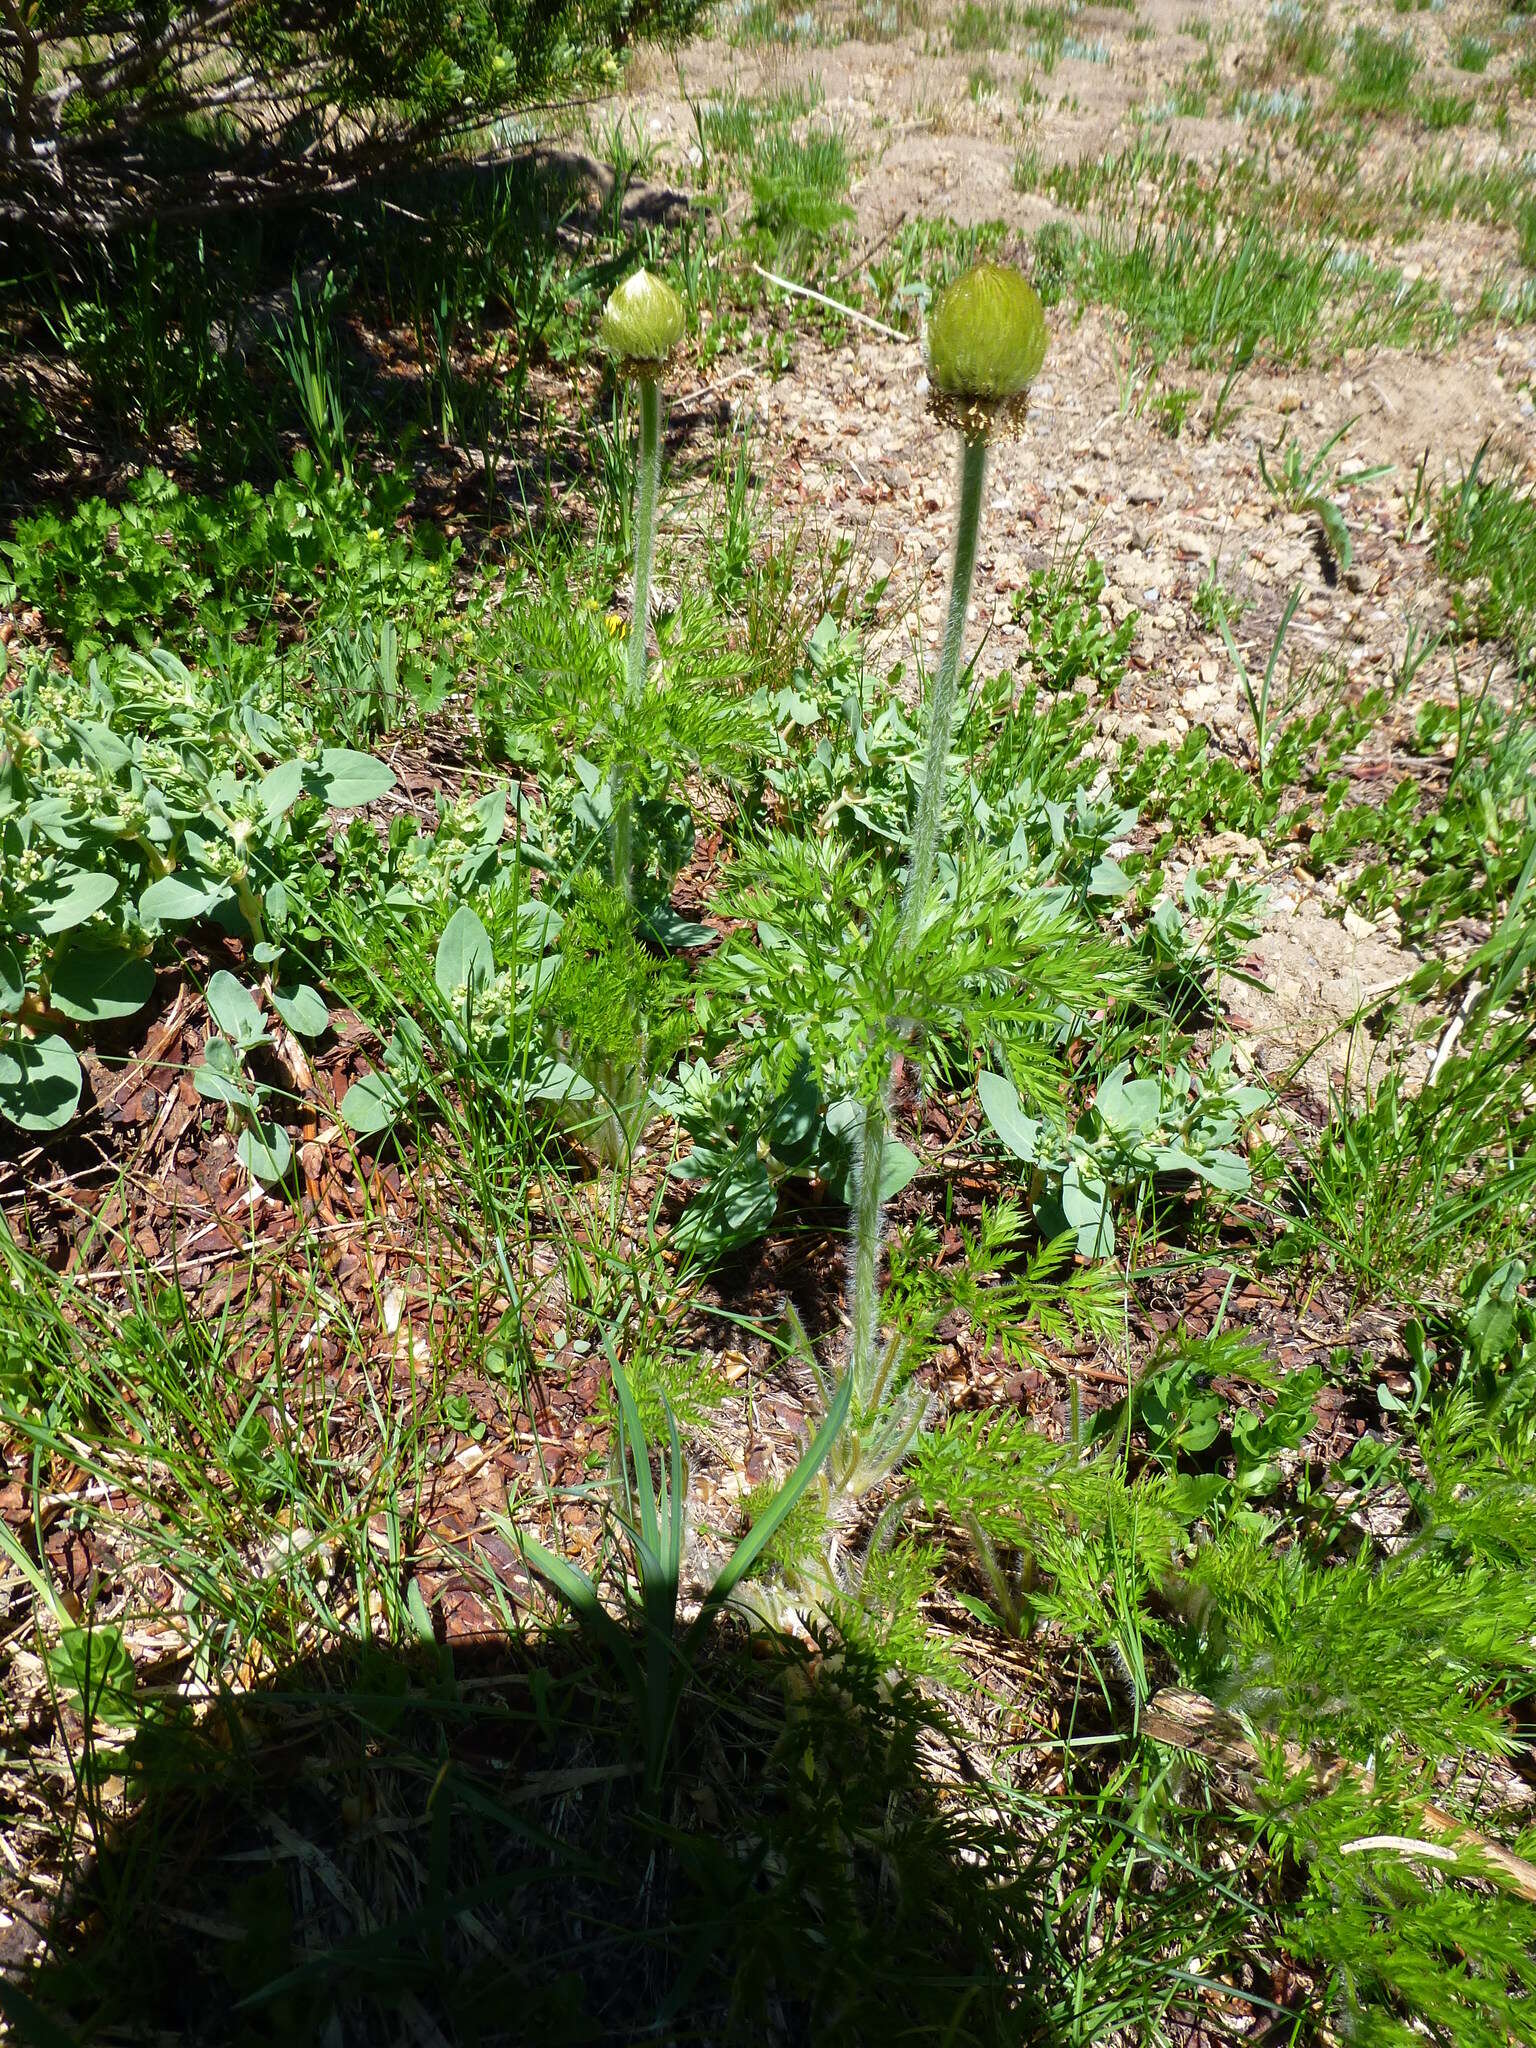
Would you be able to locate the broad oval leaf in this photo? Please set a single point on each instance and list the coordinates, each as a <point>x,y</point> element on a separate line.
<point>732,1212</point>
<point>234,1009</point>
<point>898,1165</point>
<point>677,933</point>
<point>13,981</point>
<point>1108,878</point>
<point>1087,1212</point>
<point>68,899</point>
<point>220,1077</point>
<point>302,1009</point>
<point>1127,1106</point>
<point>557,1082</point>
<point>371,1105</point>
<point>1226,1170</point>
<point>464,959</point>
<point>266,1153</point>
<point>183,897</point>
<point>345,780</point>
<point>281,787</point>
<point>93,984</point>
<point>1005,1113</point>
<point>538,925</point>
<point>40,1082</point>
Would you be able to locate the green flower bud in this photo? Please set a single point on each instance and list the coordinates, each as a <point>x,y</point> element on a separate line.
<point>642,322</point>
<point>986,335</point>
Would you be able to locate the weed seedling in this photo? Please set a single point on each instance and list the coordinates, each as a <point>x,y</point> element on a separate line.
<point>1259,698</point>
<point>1298,482</point>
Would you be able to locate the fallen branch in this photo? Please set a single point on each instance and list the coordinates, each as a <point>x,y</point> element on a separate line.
<point>803,291</point>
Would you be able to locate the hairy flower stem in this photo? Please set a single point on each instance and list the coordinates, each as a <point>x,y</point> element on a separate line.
<point>647,486</point>
<point>946,689</point>
<point>869,1152</point>
<point>865,1246</point>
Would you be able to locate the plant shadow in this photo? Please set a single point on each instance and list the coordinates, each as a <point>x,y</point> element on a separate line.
<point>453,1844</point>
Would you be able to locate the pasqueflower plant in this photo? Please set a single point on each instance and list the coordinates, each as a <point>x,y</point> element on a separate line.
<point>986,341</point>
<point>642,324</point>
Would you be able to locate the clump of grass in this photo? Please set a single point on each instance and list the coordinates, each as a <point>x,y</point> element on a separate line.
<point>760,22</point>
<point>1472,53</point>
<point>975,28</point>
<point>1485,542</point>
<point>882,21</point>
<point>1378,71</point>
<point>1029,169</point>
<point>1298,37</point>
<point>1045,32</point>
<point>1446,187</point>
<point>925,256</point>
<point>1188,288</point>
<point>1441,110</point>
<point>734,124</point>
<point>800,183</point>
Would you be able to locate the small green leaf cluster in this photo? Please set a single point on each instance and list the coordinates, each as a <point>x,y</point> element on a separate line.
<point>132,808</point>
<point>213,575</point>
<point>1137,1131</point>
<point>1190,949</point>
<point>1498,1339</point>
<point>1302,483</point>
<point>1485,543</point>
<point>754,1125</point>
<point>1177,1410</point>
<point>617,1017</point>
<point>1458,857</point>
<point>1071,641</point>
<point>800,186</point>
<point>563,1011</point>
<point>848,760</point>
<point>823,967</point>
<point>229,1072</point>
